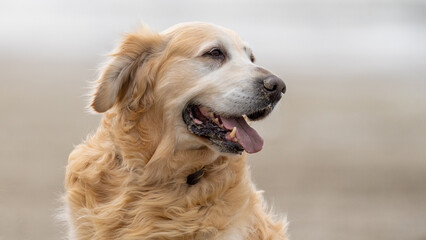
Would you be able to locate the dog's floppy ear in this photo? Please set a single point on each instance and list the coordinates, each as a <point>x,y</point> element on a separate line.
<point>118,77</point>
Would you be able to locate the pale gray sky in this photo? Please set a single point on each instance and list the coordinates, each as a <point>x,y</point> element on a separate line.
<point>333,35</point>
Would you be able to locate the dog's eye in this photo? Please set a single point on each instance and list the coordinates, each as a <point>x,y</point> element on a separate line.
<point>215,53</point>
<point>252,58</point>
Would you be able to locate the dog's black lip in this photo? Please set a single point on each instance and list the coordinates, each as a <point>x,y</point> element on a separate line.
<point>215,134</point>
<point>260,114</point>
<point>209,130</point>
<point>256,115</point>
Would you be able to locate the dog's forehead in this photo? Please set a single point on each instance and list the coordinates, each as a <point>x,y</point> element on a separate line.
<point>198,35</point>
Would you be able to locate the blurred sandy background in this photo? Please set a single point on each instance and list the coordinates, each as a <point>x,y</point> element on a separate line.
<point>345,153</point>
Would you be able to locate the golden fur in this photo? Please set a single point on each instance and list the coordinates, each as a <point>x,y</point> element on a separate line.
<point>128,180</point>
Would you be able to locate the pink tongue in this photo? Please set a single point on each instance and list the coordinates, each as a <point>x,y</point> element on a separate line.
<point>247,136</point>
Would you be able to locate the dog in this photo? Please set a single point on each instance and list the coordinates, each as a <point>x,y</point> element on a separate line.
<point>169,158</point>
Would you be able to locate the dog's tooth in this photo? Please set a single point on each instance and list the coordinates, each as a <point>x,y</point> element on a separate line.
<point>247,120</point>
<point>197,121</point>
<point>235,139</point>
<point>233,133</point>
<point>221,125</point>
<point>211,115</point>
<point>216,120</point>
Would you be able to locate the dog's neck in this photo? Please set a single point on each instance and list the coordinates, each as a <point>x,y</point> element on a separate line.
<point>154,151</point>
<point>134,135</point>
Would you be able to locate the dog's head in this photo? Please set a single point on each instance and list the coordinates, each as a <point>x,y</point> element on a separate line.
<point>200,78</point>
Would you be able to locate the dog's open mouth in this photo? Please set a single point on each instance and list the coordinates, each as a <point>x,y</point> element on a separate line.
<point>231,134</point>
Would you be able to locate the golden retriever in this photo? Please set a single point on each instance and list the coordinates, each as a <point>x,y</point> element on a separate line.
<point>168,160</point>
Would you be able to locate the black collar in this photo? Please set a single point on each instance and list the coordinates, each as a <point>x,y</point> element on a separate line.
<point>195,177</point>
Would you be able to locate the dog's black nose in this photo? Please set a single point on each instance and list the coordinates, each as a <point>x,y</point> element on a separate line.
<point>274,85</point>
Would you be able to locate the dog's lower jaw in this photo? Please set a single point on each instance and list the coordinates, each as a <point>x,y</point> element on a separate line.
<point>188,141</point>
